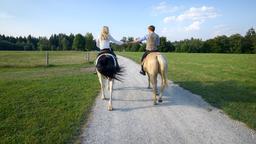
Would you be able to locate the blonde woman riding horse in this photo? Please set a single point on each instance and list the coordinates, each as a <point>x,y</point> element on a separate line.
<point>107,66</point>
<point>153,63</point>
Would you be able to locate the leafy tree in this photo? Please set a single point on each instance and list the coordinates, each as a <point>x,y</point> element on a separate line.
<point>124,39</point>
<point>170,46</point>
<point>249,42</point>
<point>236,43</point>
<point>43,44</point>
<point>142,47</point>
<point>64,43</point>
<point>130,39</point>
<point>135,47</point>
<point>78,43</point>
<point>207,46</point>
<point>71,39</point>
<point>162,46</point>
<point>54,42</point>
<point>89,42</point>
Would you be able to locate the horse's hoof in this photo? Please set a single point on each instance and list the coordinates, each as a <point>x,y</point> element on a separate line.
<point>149,87</point>
<point>155,103</point>
<point>103,98</point>
<point>110,108</point>
<point>160,100</point>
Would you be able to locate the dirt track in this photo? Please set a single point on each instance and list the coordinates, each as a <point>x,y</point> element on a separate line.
<point>182,118</point>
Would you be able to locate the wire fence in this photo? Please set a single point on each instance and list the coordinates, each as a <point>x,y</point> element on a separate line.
<point>44,58</point>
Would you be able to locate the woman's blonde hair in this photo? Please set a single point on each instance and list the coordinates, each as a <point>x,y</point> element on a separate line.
<point>104,33</point>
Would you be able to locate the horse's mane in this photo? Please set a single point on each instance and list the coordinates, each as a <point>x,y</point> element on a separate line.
<point>106,65</point>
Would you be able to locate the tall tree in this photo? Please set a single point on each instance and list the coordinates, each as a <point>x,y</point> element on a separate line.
<point>43,44</point>
<point>162,46</point>
<point>64,43</point>
<point>249,42</point>
<point>236,43</point>
<point>79,42</point>
<point>89,43</point>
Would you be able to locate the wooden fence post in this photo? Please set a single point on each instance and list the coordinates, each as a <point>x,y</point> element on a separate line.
<point>87,56</point>
<point>47,58</point>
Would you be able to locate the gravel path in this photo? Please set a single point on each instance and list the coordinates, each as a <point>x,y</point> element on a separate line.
<point>182,118</point>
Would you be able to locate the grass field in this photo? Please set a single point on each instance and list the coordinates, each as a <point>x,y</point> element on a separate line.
<point>41,104</point>
<point>227,81</point>
<point>37,58</point>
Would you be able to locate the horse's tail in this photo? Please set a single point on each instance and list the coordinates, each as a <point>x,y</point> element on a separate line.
<point>163,67</point>
<point>108,67</point>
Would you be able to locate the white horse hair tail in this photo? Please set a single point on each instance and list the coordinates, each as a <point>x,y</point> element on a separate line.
<point>163,69</point>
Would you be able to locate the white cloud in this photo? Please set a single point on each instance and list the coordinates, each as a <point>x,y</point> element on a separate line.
<point>169,19</point>
<point>164,7</point>
<point>4,15</point>
<point>201,13</point>
<point>164,30</point>
<point>194,26</point>
<point>194,14</point>
<point>222,29</point>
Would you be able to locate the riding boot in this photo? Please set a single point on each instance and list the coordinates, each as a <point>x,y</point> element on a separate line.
<point>142,70</point>
<point>117,64</point>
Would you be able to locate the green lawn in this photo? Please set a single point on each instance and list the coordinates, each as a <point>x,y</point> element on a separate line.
<point>41,104</point>
<point>227,81</point>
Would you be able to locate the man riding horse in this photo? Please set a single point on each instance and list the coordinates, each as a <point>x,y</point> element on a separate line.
<point>154,63</point>
<point>152,42</point>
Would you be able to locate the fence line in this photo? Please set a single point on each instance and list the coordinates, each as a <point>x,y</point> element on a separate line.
<point>44,58</point>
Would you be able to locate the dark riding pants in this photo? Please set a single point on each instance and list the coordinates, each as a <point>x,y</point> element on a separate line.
<point>146,53</point>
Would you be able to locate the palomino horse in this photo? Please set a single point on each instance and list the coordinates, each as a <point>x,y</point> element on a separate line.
<point>107,69</point>
<point>155,64</point>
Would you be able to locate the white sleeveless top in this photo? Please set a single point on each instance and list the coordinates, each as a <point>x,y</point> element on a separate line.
<point>105,44</point>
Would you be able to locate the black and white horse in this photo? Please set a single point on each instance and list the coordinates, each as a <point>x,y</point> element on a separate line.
<point>107,69</point>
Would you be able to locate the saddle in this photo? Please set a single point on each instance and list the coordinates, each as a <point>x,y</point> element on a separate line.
<point>104,53</point>
<point>147,53</point>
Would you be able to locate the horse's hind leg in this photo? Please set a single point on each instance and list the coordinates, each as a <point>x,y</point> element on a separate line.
<point>153,80</point>
<point>148,82</point>
<point>161,93</point>
<point>110,108</point>
<point>163,84</point>
<point>101,85</point>
<point>108,84</point>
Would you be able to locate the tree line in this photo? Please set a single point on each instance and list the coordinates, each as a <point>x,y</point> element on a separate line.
<point>235,43</point>
<point>55,42</point>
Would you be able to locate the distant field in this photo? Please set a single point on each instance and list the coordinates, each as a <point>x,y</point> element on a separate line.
<point>227,81</point>
<point>41,104</point>
<point>37,58</point>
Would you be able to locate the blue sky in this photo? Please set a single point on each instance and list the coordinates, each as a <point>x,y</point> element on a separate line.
<point>176,20</point>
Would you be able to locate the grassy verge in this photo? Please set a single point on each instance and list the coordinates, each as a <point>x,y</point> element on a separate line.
<point>44,104</point>
<point>227,81</point>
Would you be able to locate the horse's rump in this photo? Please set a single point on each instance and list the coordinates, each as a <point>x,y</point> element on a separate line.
<point>163,68</point>
<point>106,64</point>
<point>155,64</point>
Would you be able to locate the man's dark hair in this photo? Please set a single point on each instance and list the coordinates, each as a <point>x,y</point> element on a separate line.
<point>152,28</point>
